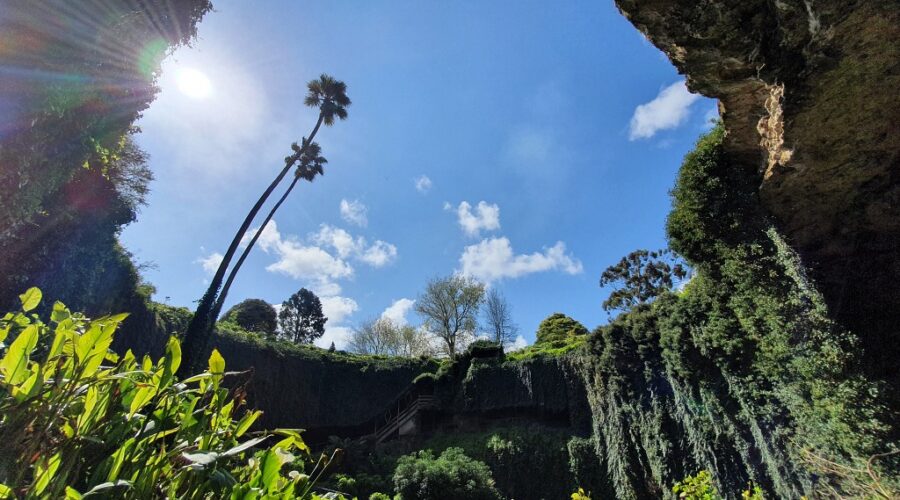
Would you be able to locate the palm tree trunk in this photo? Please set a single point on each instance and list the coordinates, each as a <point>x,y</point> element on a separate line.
<point>220,301</point>
<point>200,328</point>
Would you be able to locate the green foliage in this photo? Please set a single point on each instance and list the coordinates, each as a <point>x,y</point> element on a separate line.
<point>452,475</point>
<point>698,487</point>
<point>72,175</point>
<point>581,495</point>
<point>379,496</point>
<point>551,349</point>
<point>253,315</point>
<point>559,327</point>
<point>301,317</point>
<point>78,420</point>
<point>643,275</point>
<point>741,373</point>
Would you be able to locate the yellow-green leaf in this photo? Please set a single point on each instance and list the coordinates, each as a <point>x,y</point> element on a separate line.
<point>173,355</point>
<point>45,473</point>
<point>31,298</point>
<point>141,398</point>
<point>72,494</point>
<point>6,491</point>
<point>216,362</point>
<point>60,313</point>
<point>14,365</point>
<point>245,423</point>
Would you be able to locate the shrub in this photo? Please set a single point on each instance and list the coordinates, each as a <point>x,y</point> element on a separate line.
<point>379,496</point>
<point>452,475</point>
<point>254,315</point>
<point>558,327</point>
<point>76,419</point>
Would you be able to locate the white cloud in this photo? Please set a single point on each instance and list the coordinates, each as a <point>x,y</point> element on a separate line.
<point>354,212</point>
<point>211,262</point>
<point>379,254</point>
<point>518,344</point>
<point>338,239</point>
<point>313,261</point>
<point>423,184</point>
<point>340,335</point>
<point>486,217</point>
<point>397,311</point>
<point>493,259</point>
<point>337,309</point>
<point>667,111</point>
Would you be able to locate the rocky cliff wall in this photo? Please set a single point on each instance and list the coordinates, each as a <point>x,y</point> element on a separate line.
<point>808,95</point>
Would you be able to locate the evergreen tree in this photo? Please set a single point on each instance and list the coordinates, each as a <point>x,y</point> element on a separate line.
<point>301,317</point>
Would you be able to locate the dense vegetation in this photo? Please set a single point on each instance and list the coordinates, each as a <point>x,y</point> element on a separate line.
<point>78,420</point>
<point>72,176</point>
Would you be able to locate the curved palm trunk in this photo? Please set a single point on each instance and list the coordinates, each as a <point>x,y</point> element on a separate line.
<point>200,328</point>
<point>220,301</point>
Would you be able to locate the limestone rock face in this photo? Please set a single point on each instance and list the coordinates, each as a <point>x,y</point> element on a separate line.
<point>809,93</point>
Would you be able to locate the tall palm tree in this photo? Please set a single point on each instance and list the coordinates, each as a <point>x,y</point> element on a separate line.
<point>311,164</point>
<point>330,96</point>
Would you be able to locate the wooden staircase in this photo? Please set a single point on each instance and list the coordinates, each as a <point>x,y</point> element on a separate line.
<point>404,411</point>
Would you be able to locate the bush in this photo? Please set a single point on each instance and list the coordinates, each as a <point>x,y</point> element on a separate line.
<point>379,496</point>
<point>452,475</point>
<point>76,419</point>
<point>254,315</point>
<point>559,327</point>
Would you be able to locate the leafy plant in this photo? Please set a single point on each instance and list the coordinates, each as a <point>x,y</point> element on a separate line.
<point>558,327</point>
<point>78,420</point>
<point>452,475</point>
<point>581,495</point>
<point>698,487</point>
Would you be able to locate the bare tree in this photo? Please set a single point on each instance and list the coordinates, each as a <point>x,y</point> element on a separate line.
<point>383,336</point>
<point>449,307</point>
<point>374,336</point>
<point>498,318</point>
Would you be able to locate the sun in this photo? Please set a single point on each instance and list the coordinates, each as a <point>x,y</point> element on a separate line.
<point>193,83</point>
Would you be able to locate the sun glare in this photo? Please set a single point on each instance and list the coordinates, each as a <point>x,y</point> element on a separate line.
<point>193,83</point>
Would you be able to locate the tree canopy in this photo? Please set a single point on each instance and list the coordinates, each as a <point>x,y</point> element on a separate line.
<point>253,315</point>
<point>301,318</point>
<point>558,326</point>
<point>449,307</point>
<point>643,276</point>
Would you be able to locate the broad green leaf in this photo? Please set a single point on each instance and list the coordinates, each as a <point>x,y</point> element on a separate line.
<point>29,387</point>
<point>45,472</point>
<point>246,422</point>
<point>118,458</point>
<point>72,494</point>
<point>141,398</point>
<point>90,401</point>
<point>60,312</point>
<point>173,355</point>
<point>201,459</point>
<point>216,363</point>
<point>6,491</point>
<point>102,487</point>
<point>244,446</point>
<point>14,365</point>
<point>31,298</point>
<point>271,469</point>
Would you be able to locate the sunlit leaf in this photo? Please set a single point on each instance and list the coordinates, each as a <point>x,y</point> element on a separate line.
<point>245,422</point>
<point>141,398</point>
<point>31,298</point>
<point>244,446</point>
<point>59,313</point>
<point>14,365</point>
<point>45,472</point>
<point>216,362</point>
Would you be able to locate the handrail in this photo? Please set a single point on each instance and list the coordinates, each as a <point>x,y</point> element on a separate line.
<point>403,415</point>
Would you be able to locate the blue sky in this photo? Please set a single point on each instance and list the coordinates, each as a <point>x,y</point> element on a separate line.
<point>528,144</point>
